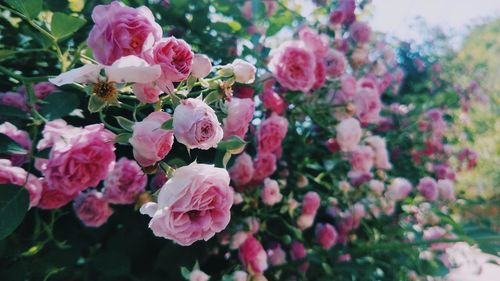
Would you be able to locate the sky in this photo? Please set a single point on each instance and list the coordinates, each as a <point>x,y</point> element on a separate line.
<point>454,16</point>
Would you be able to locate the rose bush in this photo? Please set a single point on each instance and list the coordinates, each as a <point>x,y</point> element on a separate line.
<point>330,156</point>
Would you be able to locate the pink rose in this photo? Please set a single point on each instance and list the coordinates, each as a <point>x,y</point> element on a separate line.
<point>20,137</point>
<point>53,198</point>
<point>348,85</point>
<point>253,256</point>
<point>14,99</point>
<point>335,63</point>
<point>313,41</point>
<point>326,235</point>
<point>319,74</point>
<point>271,192</point>
<point>398,189</point>
<point>78,161</point>
<point>348,134</point>
<point>242,170</point>
<point>264,166</point>
<point>276,255</point>
<point>175,58</point>
<point>193,205</point>
<point>310,203</point>
<point>18,176</point>
<point>360,32</point>
<point>336,17</point>
<point>196,125</point>
<point>381,155</point>
<point>125,182</point>
<point>198,275</point>
<point>239,114</point>
<point>446,190</point>
<point>292,65</point>
<point>146,93</point>
<point>92,208</point>
<point>273,101</point>
<point>244,72</point>
<point>56,131</point>
<point>271,133</point>
<point>42,89</point>
<point>428,188</point>
<point>202,66</point>
<point>368,105</point>
<point>297,252</point>
<point>376,187</point>
<point>121,31</point>
<point>151,143</point>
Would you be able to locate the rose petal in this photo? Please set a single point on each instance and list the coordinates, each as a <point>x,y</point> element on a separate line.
<point>85,74</point>
<point>132,69</point>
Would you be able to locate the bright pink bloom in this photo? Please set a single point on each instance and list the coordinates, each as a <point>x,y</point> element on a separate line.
<point>348,85</point>
<point>264,166</point>
<point>428,188</point>
<point>151,143</point>
<point>92,208</point>
<point>53,198</point>
<point>292,65</point>
<point>239,114</point>
<point>42,89</point>
<point>360,32</point>
<point>319,74</point>
<point>273,101</point>
<point>18,176</point>
<point>242,170</point>
<point>14,99</point>
<point>317,43</point>
<point>298,252</point>
<point>124,182</point>
<point>336,17</point>
<point>271,133</point>
<point>193,205</point>
<point>368,105</point>
<point>348,134</point>
<point>20,137</point>
<point>253,256</point>
<point>326,235</point>
<point>310,203</point>
<point>271,192</point>
<point>196,125</point>
<point>121,31</point>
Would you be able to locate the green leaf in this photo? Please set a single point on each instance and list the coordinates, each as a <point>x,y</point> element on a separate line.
<point>63,25</point>
<point>9,146</point>
<point>6,53</point>
<point>14,203</point>
<point>168,125</point>
<point>232,143</point>
<point>123,138</point>
<point>112,263</point>
<point>11,111</point>
<point>212,97</point>
<point>125,123</point>
<point>95,104</point>
<point>29,8</point>
<point>185,273</point>
<point>59,104</point>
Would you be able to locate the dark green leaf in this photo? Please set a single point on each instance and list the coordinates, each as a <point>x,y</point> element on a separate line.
<point>10,111</point>
<point>6,53</point>
<point>63,25</point>
<point>123,138</point>
<point>59,104</point>
<point>125,123</point>
<point>168,125</point>
<point>9,146</point>
<point>112,264</point>
<point>29,8</point>
<point>14,203</point>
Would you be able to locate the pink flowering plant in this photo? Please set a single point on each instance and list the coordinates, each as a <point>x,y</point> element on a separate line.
<point>137,141</point>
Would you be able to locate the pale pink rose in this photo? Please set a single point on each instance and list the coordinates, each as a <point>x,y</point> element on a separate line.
<point>271,133</point>
<point>196,125</point>
<point>310,203</point>
<point>253,224</point>
<point>398,189</point>
<point>240,276</point>
<point>175,58</point>
<point>304,221</point>
<point>120,31</point>
<point>326,235</point>
<point>292,65</point>
<point>193,205</point>
<point>297,252</point>
<point>348,85</point>
<point>360,32</point>
<point>271,192</point>
<point>273,101</point>
<point>368,105</point>
<point>14,99</point>
<point>20,137</point>
<point>348,134</point>
<point>446,190</point>
<point>238,198</point>
<point>92,208</point>
<point>146,93</point>
<point>239,114</point>
<point>78,161</point>
<point>253,256</point>
<point>151,143</point>
<point>276,255</point>
<point>244,72</point>
<point>198,275</point>
<point>434,233</point>
<point>125,182</point>
<point>317,43</point>
<point>53,198</point>
<point>242,170</point>
<point>381,155</point>
<point>18,176</point>
<point>360,56</point>
<point>238,239</point>
<point>335,63</point>
<point>377,187</point>
<point>202,66</point>
<point>264,165</point>
<point>56,131</point>
<point>428,188</point>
